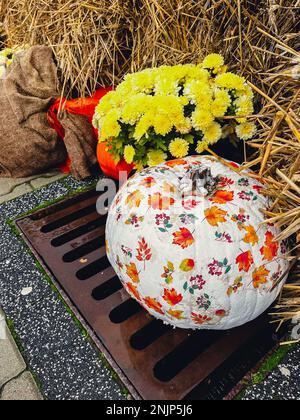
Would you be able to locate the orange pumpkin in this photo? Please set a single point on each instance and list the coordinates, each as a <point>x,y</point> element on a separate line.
<point>107,164</point>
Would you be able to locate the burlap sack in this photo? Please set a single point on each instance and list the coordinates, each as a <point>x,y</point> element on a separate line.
<point>28,145</point>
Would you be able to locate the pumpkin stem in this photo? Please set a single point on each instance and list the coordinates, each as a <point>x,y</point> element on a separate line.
<point>199,181</point>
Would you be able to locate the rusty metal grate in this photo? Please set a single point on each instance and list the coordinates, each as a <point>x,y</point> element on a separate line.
<point>157,362</point>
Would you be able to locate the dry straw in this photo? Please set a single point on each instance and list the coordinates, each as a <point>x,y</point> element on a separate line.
<point>97,41</point>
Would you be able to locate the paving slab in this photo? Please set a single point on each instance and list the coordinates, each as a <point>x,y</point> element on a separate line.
<point>11,188</point>
<point>46,179</point>
<point>22,388</point>
<point>11,361</point>
<point>16,192</point>
<point>7,185</point>
<point>2,326</point>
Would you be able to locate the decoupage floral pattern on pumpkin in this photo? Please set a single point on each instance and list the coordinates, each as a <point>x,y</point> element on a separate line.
<point>195,261</point>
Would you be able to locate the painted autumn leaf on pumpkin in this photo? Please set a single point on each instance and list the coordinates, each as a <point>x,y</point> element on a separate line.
<point>224,182</point>
<point>134,199</point>
<point>238,283</point>
<point>168,272</point>
<point>176,314</point>
<point>148,182</point>
<point>187,265</point>
<point>270,250</point>
<point>200,319</point>
<point>245,261</point>
<point>133,290</point>
<point>251,236</point>
<point>177,162</point>
<point>222,197</point>
<point>214,216</point>
<point>260,276</point>
<point>143,252</point>
<point>190,204</point>
<point>168,188</point>
<point>183,238</point>
<point>152,303</point>
<point>172,297</point>
<point>132,272</point>
<point>119,263</point>
<point>158,202</point>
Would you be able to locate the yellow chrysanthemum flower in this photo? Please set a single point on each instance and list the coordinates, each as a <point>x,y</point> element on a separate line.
<point>143,126</point>
<point>213,133</point>
<point>135,108</point>
<point>131,114</point>
<point>199,92</point>
<point>171,106</point>
<point>184,125</point>
<point>246,130</point>
<point>105,105</point>
<point>110,126</point>
<point>222,95</point>
<point>213,61</point>
<point>221,103</point>
<point>179,148</point>
<point>246,91</point>
<point>202,119</point>
<point>125,89</point>
<point>218,108</point>
<point>156,157</point>
<point>166,87</point>
<point>244,107</point>
<point>143,81</point>
<point>162,124</point>
<point>201,146</point>
<point>129,153</point>
<point>230,81</point>
<point>196,73</point>
<point>175,73</point>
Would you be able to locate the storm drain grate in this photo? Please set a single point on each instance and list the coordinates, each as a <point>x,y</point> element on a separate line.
<point>160,363</point>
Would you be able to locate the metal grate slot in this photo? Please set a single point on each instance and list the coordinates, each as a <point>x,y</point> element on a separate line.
<point>93,269</point>
<point>238,366</point>
<point>107,289</point>
<point>72,202</point>
<point>76,233</point>
<point>149,334</point>
<point>156,361</point>
<point>84,250</point>
<point>124,311</point>
<point>68,219</point>
<point>169,367</point>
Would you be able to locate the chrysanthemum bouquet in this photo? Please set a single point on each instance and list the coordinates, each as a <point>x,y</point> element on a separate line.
<point>174,111</point>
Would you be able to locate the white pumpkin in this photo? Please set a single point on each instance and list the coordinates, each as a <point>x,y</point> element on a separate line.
<point>186,239</point>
